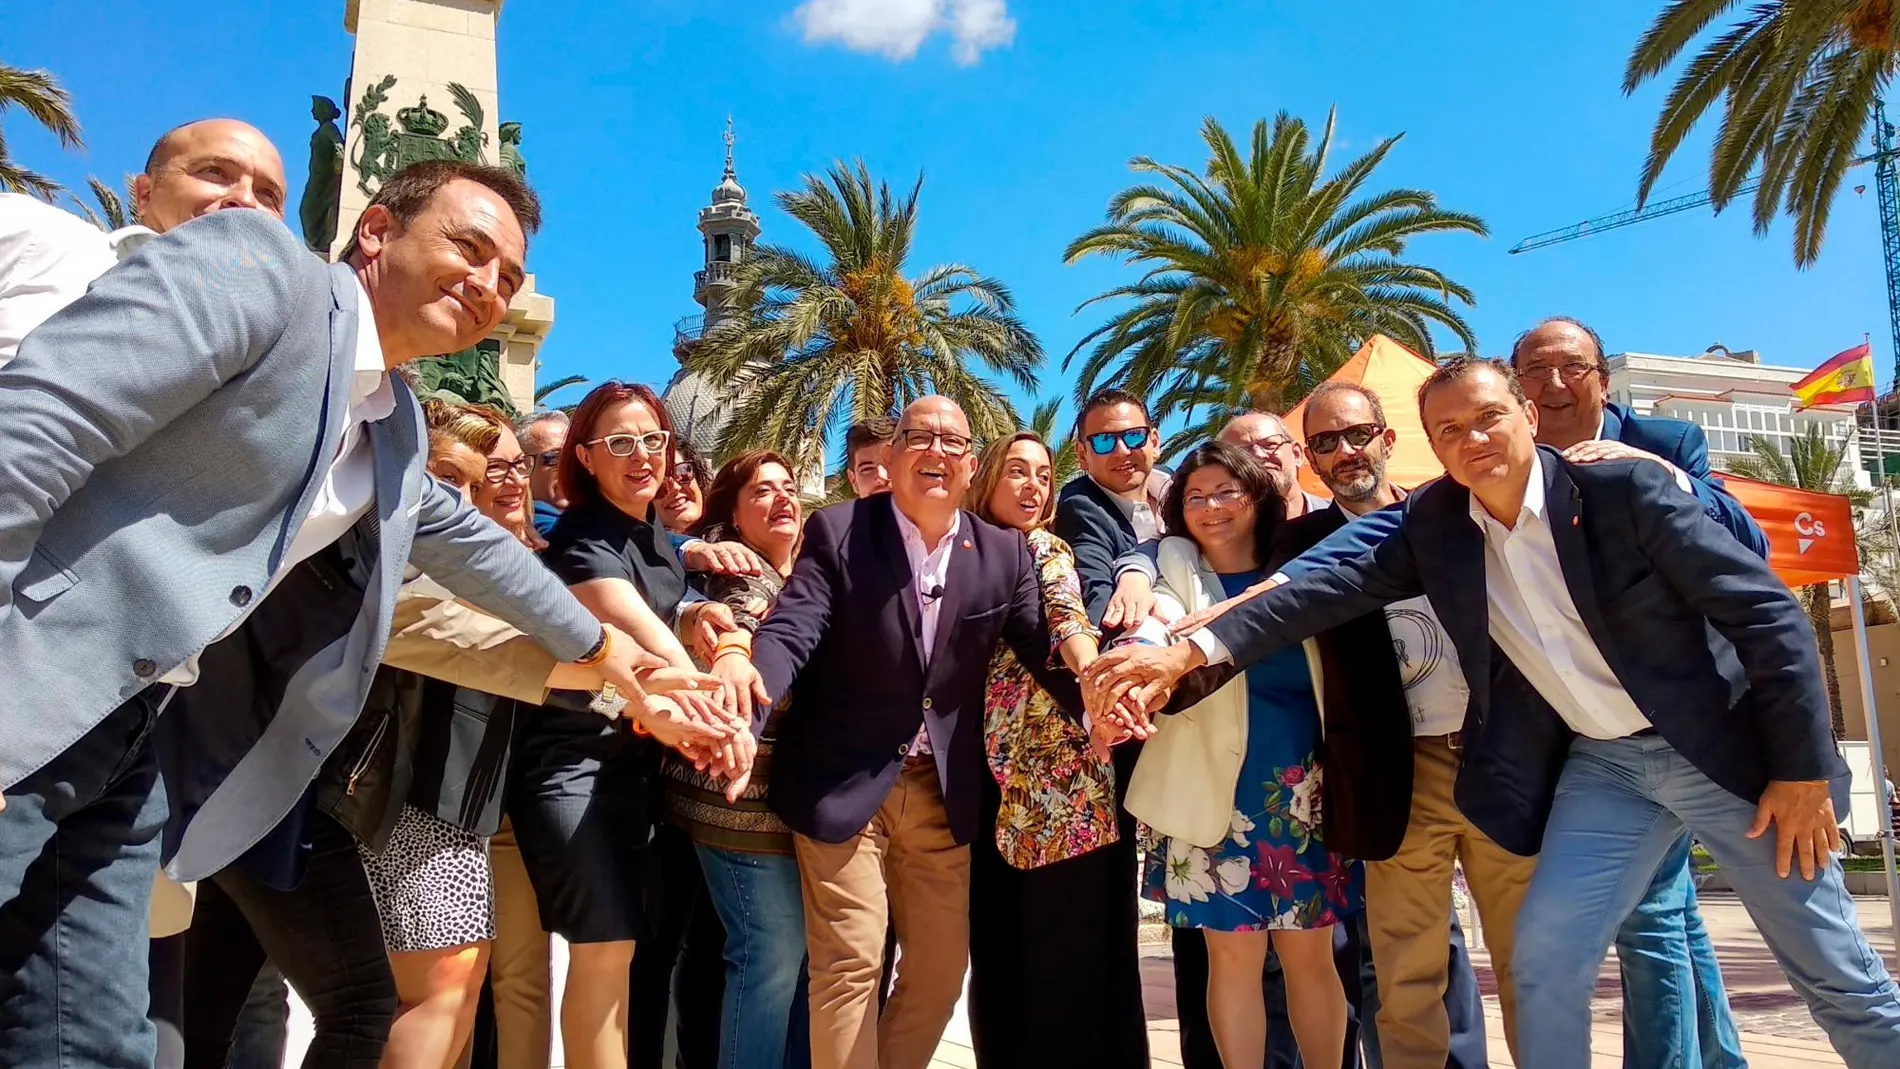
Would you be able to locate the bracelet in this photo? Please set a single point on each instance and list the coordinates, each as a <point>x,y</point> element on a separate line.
<point>721,651</point>
<point>598,654</point>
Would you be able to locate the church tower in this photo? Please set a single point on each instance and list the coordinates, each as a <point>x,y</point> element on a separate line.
<point>730,230</point>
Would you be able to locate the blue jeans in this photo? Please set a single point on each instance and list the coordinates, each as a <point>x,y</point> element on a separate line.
<point>1667,960</point>
<point>764,1025</point>
<point>78,850</point>
<point>1621,807</point>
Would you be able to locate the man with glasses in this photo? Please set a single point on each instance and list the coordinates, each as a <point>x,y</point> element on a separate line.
<point>881,641</point>
<point>1103,513</point>
<point>543,435</point>
<point>1265,436</point>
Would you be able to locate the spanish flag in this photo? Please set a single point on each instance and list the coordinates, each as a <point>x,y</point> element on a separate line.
<point>1846,379</point>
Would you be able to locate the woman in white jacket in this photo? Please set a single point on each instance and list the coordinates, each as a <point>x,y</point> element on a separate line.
<point>1231,786</point>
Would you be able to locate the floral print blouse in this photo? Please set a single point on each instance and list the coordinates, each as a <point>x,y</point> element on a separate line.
<point>1058,796</point>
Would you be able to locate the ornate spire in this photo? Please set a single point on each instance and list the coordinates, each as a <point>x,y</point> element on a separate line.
<point>729,139</point>
<point>729,191</point>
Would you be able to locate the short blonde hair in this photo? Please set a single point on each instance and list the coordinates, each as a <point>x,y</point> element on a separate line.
<point>476,426</point>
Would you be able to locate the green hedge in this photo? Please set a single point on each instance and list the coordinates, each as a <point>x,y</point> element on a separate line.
<point>1861,864</point>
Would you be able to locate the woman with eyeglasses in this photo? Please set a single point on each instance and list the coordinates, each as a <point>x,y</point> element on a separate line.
<point>1036,873</point>
<point>581,807</point>
<point>679,966</point>
<point>743,848</point>
<point>432,881</point>
<point>1231,785</point>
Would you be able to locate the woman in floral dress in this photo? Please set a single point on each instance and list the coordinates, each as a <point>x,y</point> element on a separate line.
<point>1042,993</point>
<point>1271,880</point>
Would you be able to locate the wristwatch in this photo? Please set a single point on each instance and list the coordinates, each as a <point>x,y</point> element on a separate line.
<point>599,652</point>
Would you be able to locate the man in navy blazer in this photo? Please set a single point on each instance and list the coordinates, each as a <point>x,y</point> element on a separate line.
<point>881,642</point>
<point>1634,671</point>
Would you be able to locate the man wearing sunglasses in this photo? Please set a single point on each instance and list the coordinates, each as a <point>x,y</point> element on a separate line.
<point>1104,512</point>
<point>543,435</point>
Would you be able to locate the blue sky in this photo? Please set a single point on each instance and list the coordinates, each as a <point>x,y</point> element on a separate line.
<point>1022,114</point>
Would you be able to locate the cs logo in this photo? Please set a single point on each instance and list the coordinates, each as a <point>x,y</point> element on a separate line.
<point>1809,529</point>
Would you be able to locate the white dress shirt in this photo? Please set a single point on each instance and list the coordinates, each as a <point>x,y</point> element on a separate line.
<point>47,259</point>
<point>1141,516</point>
<point>1535,621</point>
<point>349,486</point>
<point>930,570</point>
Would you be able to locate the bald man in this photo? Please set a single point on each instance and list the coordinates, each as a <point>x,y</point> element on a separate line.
<point>48,257</point>
<point>881,642</point>
<point>1264,435</point>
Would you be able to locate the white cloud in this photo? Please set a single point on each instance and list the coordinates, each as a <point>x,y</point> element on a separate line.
<point>896,29</point>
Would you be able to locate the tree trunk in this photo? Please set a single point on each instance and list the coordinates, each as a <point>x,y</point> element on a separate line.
<point>1820,614</point>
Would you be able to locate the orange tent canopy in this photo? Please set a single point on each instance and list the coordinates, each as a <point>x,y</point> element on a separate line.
<point>1810,535</point>
<point>1394,373</point>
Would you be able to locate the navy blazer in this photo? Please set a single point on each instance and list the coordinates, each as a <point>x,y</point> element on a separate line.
<point>842,643</point>
<point>1097,529</point>
<point>1709,644</point>
<point>1684,444</point>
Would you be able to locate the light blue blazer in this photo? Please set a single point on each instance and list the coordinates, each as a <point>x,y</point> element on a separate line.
<point>161,439</point>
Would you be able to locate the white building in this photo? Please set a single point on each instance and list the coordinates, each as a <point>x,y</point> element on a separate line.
<point>1733,395</point>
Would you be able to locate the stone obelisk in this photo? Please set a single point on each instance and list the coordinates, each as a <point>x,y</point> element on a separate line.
<point>423,85</point>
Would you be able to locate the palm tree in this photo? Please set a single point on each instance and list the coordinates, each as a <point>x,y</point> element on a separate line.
<point>812,346</point>
<point>115,212</point>
<point>1797,84</point>
<point>1059,437</point>
<point>1810,464</point>
<point>1262,275</point>
<point>41,96</point>
<point>542,393</point>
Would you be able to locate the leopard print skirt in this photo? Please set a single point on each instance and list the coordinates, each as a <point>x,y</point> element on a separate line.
<point>432,883</point>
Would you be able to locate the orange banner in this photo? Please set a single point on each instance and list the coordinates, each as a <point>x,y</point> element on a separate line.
<point>1810,535</point>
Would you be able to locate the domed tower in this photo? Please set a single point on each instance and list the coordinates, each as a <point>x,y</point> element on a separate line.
<point>730,230</point>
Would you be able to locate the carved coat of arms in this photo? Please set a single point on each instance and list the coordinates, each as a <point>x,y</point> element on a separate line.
<point>418,133</point>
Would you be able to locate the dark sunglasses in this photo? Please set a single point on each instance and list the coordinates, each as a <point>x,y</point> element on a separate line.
<point>547,458</point>
<point>1133,438</point>
<point>1325,443</point>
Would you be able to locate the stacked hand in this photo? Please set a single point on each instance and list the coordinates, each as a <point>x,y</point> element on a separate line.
<point>723,558</point>
<point>702,625</point>
<point>1125,686</point>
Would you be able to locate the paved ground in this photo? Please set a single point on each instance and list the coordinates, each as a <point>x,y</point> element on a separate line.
<point>1777,1032</point>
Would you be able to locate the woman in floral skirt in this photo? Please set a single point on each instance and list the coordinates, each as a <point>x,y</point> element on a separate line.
<point>1042,892</point>
<point>1268,879</point>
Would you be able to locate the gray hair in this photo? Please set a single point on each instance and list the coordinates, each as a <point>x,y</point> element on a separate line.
<point>534,419</point>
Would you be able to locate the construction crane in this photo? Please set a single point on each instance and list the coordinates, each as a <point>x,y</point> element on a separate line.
<point>1887,193</point>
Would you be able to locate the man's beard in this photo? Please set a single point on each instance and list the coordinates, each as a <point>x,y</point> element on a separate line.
<point>1358,483</point>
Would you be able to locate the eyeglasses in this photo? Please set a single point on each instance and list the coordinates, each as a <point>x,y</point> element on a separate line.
<point>1221,499</point>
<point>1266,447</point>
<point>623,445</point>
<point>916,441</point>
<point>1569,373</point>
<point>547,458</point>
<point>682,475</point>
<point>1103,443</point>
<point>1359,434</point>
<point>499,470</point>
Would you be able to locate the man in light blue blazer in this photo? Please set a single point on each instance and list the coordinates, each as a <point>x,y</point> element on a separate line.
<point>216,417</point>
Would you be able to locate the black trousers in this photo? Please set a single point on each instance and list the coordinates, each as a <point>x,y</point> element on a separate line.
<point>324,936</point>
<point>1055,977</point>
<point>680,967</point>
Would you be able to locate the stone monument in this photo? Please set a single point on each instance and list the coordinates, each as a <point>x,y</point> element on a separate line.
<point>423,86</point>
